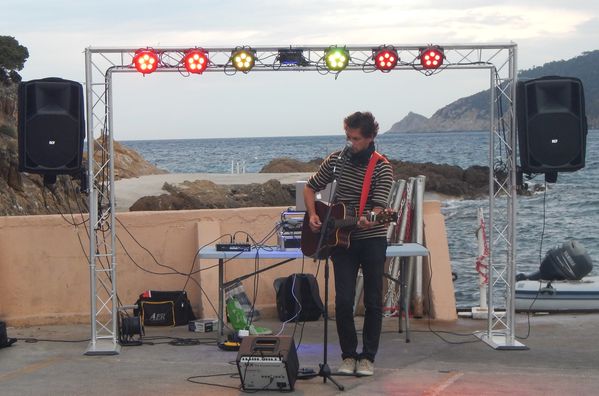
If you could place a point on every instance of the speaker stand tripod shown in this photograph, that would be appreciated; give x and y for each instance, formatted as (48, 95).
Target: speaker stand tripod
(325, 370)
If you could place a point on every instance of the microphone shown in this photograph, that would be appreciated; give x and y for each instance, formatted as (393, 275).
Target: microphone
(344, 154)
(346, 150)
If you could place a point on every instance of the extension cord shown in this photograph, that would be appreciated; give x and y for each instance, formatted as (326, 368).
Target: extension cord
(233, 247)
(229, 346)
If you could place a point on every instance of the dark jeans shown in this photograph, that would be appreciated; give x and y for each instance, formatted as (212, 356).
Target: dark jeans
(370, 254)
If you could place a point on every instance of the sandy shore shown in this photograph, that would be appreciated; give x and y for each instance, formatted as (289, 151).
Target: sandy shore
(128, 191)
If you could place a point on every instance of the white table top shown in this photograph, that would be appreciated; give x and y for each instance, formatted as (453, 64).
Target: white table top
(210, 252)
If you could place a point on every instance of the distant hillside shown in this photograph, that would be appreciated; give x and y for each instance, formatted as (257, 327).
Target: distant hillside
(472, 112)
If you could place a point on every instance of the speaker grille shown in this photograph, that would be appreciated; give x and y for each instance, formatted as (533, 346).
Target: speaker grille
(49, 141)
(552, 125)
(551, 141)
(51, 126)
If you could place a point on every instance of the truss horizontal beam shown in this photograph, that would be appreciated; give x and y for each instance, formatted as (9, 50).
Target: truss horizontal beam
(267, 58)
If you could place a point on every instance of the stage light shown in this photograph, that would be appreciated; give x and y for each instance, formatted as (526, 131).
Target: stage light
(431, 57)
(385, 58)
(243, 59)
(145, 61)
(336, 58)
(291, 57)
(196, 61)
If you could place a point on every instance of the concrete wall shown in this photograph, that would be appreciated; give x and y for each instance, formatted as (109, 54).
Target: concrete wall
(44, 270)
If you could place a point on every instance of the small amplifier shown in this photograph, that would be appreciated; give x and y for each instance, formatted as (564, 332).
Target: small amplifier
(289, 239)
(292, 220)
(233, 247)
(267, 363)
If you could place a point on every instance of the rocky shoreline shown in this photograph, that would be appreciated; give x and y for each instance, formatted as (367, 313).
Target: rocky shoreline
(442, 180)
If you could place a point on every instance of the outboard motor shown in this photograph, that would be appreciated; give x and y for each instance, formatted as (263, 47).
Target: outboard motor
(568, 262)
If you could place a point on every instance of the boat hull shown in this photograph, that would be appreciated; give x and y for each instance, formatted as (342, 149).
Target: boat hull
(581, 295)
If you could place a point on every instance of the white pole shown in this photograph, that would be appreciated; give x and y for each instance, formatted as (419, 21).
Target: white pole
(419, 238)
(482, 311)
(397, 202)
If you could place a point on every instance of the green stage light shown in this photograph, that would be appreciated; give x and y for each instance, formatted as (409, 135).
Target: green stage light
(336, 58)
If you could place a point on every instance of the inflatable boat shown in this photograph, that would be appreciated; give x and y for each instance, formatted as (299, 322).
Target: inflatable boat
(561, 283)
(558, 295)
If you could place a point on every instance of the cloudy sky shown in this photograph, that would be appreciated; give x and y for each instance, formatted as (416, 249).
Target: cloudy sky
(168, 105)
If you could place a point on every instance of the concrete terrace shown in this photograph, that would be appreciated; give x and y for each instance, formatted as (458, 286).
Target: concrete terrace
(563, 359)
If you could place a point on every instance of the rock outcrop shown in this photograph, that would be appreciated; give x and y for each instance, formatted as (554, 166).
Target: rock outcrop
(204, 194)
(446, 180)
(127, 162)
(290, 165)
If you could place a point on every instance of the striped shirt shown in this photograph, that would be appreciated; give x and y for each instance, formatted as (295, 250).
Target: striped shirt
(349, 188)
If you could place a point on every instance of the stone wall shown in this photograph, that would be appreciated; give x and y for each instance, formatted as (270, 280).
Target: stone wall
(45, 273)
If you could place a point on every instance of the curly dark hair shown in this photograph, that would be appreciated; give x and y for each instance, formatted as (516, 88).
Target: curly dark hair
(364, 121)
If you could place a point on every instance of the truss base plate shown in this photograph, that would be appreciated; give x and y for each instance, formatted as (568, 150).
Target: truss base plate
(102, 348)
(500, 341)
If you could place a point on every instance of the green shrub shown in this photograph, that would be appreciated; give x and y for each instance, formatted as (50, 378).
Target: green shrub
(8, 131)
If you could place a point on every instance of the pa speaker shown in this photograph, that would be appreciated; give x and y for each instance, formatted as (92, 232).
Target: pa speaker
(267, 363)
(51, 126)
(552, 125)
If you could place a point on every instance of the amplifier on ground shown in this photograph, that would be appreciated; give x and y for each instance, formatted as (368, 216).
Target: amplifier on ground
(267, 363)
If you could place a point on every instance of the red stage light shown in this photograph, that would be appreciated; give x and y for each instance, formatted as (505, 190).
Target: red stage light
(385, 59)
(431, 57)
(145, 61)
(196, 61)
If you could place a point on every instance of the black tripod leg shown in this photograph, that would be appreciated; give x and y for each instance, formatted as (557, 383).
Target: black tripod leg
(325, 370)
(325, 373)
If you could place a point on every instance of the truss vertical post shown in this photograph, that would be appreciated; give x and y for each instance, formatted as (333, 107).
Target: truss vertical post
(500, 332)
(103, 297)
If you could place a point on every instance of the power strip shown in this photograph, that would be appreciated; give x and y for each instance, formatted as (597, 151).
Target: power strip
(233, 247)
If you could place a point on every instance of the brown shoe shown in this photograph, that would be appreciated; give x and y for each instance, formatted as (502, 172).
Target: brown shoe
(348, 366)
(365, 367)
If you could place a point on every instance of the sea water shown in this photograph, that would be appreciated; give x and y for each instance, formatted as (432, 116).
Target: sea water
(569, 209)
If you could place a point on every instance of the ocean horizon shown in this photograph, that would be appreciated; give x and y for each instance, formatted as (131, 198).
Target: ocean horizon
(570, 206)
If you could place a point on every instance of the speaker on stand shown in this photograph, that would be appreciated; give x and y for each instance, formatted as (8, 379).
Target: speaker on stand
(51, 127)
(552, 125)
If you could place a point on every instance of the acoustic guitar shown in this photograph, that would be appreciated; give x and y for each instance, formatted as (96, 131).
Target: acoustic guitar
(339, 228)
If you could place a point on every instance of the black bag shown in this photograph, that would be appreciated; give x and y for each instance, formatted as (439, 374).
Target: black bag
(4, 340)
(298, 298)
(164, 308)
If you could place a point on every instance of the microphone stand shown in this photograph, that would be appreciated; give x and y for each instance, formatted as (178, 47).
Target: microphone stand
(325, 370)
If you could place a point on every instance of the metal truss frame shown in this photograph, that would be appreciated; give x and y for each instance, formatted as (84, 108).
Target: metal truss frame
(499, 59)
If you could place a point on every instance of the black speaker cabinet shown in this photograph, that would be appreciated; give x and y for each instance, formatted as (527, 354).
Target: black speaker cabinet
(51, 126)
(552, 125)
(267, 363)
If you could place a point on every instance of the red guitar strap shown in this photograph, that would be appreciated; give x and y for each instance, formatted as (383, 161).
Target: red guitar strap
(374, 158)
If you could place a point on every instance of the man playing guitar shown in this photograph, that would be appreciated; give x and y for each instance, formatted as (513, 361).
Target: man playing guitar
(365, 191)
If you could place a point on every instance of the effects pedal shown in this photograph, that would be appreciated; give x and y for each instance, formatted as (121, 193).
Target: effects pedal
(233, 247)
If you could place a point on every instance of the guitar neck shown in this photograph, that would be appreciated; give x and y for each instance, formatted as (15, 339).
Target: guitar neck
(350, 221)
